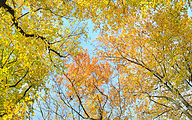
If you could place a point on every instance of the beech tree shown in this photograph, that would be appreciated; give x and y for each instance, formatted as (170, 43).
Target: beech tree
(88, 89)
(35, 36)
(152, 54)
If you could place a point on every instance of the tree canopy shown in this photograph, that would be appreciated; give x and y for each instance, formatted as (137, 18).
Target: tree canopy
(140, 69)
(34, 38)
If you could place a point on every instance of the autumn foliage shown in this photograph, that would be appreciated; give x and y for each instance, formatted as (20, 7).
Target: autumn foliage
(154, 62)
(32, 37)
(141, 67)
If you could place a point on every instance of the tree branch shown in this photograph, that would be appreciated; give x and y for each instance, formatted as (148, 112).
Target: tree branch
(20, 79)
(16, 24)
